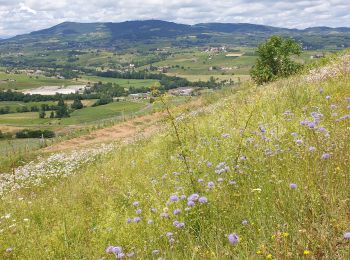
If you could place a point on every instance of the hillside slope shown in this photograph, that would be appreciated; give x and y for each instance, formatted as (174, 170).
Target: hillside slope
(257, 173)
(70, 35)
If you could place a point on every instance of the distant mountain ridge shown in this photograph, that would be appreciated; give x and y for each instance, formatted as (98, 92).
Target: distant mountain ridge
(125, 34)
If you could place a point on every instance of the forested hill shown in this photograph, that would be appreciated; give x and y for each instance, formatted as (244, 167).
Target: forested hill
(72, 35)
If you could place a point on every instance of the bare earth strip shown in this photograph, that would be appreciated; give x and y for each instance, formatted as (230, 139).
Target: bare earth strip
(145, 125)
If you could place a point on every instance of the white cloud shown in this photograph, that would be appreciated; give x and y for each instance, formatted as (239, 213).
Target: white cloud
(21, 16)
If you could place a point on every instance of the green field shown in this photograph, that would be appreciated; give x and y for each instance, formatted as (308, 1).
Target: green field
(126, 83)
(86, 115)
(23, 81)
(10, 147)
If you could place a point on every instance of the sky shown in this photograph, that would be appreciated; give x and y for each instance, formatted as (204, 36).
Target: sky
(23, 16)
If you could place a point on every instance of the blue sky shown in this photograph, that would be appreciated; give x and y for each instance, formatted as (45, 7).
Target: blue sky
(22, 16)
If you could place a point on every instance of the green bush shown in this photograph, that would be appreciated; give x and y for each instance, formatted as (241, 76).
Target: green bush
(26, 133)
(275, 60)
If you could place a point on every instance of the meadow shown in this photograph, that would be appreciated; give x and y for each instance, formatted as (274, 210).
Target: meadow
(255, 173)
(23, 81)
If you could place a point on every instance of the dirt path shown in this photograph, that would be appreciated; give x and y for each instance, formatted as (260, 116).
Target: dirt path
(145, 125)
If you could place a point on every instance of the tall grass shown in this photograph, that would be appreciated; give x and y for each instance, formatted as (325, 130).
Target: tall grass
(272, 162)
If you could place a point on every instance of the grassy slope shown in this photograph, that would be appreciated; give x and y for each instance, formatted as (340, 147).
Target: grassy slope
(79, 217)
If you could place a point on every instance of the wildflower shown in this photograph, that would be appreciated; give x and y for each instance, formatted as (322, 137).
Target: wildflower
(174, 198)
(220, 179)
(193, 197)
(200, 180)
(129, 220)
(293, 186)
(153, 210)
(269, 256)
(183, 197)
(9, 250)
(136, 204)
(150, 222)
(347, 235)
(333, 106)
(120, 256)
(209, 164)
(299, 142)
(225, 135)
(187, 209)
(137, 219)
(138, 211)
(169, 234)
(245, 222)
(233, 239)
(312, 148)
(328, 97)
(177, 212)
(178, 224)
(312, 125)
(203, 200)
(155, 252)
(164, 215)
(211, 185)
(306, 252)
(232, 182)
(294, 134)
(326, 156)
(190, 203)
(114, 250)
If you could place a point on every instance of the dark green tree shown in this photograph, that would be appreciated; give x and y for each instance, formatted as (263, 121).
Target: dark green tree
(275, 60)
(42, 114)
(77, 104)
(62, 109)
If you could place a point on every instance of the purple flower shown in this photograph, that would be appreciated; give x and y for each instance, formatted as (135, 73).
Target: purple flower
(114, 250)
(178, 224)
(209, 164)
(312, 125)
(203, 200)
(190, 203)
(150, 222)
(233, 239)
(211, 185)
(200, 180)
(312, 148)
(138, 211)
(347, 235)
(137, 219)
(174, 198)
(328, 97)
(177, 212)
(293, 186)
(129, 220)
(169, 234)
(299, 142)
(225, 135)
(325, 156)
(9, 250)
(232, 182)
(245, 222)
(333, 106)
(136, 203)
(153, 210)
(193, 197)
(120, 256)
(183, 197)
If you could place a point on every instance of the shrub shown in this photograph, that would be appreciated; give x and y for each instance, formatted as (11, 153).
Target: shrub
(26, 133)
(274, 60)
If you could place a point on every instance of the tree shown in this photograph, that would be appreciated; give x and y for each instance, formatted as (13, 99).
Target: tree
(52, 115)
(42, 114)
(77, 104)
(275, 60)
(62, 109)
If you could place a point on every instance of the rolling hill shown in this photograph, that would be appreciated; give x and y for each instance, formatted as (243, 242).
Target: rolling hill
(70, 35)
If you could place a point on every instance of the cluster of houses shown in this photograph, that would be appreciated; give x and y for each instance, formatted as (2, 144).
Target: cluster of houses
(183, 91)
(215, 49)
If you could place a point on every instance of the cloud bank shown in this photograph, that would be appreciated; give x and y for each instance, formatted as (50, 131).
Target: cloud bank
(23, 16)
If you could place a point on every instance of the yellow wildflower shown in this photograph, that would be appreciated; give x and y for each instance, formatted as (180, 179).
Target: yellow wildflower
(306, 252)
